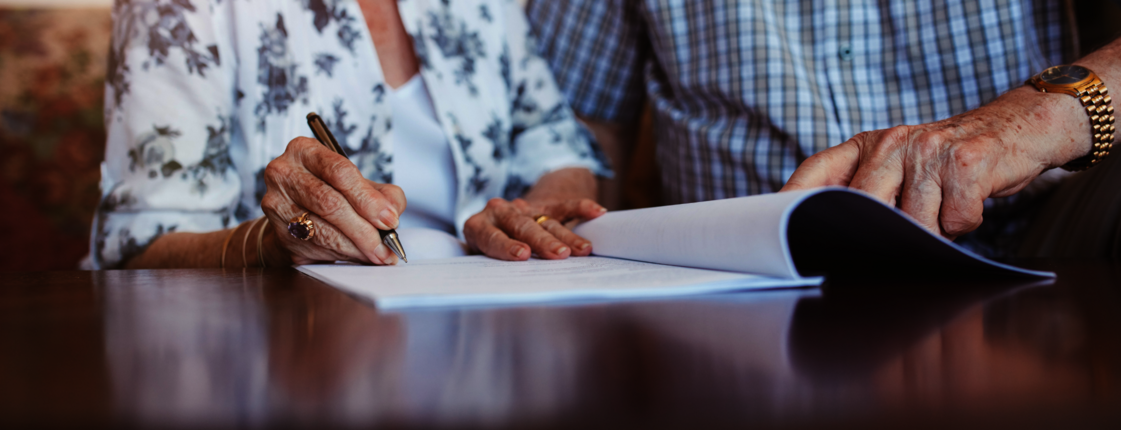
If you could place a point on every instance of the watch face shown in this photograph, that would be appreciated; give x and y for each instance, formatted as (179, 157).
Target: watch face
(1065, 75)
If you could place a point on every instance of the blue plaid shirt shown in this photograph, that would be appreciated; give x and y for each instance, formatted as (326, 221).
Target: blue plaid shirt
(743, 91)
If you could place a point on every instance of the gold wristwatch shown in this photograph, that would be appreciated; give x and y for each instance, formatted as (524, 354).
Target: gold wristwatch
(1084, 85)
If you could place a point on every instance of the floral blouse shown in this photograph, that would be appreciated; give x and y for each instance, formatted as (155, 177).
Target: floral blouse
(202, 94)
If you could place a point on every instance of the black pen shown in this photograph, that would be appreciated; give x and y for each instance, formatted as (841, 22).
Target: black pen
(324, 136)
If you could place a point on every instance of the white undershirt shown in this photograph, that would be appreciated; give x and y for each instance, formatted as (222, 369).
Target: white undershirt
(423, 167)
(422, 160)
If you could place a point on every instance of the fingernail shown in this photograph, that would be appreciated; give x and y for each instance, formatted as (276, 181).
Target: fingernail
(602, 209)
(383, 253)
(386, 220)
(517, 251)
(584, 246)
(560, 250)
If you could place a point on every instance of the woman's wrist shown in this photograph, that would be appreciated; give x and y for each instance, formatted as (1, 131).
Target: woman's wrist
(254, 243)
(567, 183)
(273, 252)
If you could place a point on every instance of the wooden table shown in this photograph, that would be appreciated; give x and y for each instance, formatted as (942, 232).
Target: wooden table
(269, 348)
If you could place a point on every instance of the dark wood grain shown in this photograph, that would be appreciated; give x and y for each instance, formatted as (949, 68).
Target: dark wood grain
(273, 348)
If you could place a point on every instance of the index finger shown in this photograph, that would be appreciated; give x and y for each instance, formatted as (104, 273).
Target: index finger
(345, 177)
(573, 208)
(833, 166)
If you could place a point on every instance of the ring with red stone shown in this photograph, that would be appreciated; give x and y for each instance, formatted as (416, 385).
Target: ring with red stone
(301, 227)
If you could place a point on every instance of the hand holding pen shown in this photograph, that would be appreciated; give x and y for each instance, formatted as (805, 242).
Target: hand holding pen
(325, 210)
(323, 134)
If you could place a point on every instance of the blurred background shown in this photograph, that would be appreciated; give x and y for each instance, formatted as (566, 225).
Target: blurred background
(52, 65)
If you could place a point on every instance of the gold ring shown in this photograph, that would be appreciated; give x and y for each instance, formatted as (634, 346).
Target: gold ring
(540, 219)
(301, 227)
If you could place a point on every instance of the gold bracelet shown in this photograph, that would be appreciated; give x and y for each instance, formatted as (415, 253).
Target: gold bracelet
(245, 242)
(260, 239)
(226, 244)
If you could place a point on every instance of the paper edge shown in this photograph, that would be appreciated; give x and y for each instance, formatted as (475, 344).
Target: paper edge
(968, 253)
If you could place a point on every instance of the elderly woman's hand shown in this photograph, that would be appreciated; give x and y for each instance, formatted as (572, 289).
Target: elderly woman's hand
(346, 209)
(508, 230)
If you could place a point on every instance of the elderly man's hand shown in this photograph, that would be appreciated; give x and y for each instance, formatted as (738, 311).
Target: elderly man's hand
(941, 173)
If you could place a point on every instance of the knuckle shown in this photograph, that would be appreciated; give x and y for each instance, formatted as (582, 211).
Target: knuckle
(338, 171)
(270, 201)
(329, 239)
(937, 138)
(367, 202)
(472, 225)
(928, 145)
(882, 150)
(494, 237)
(328, 202)
(495, 203)
(543, 240)
(393, 190)
(562, 233)
(897, 134)
(860, 138)
(300, 144)
(967, 155)
(277, 168)
(521, 204)
(509, 220)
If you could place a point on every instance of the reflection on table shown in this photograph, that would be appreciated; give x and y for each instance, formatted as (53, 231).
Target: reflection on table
(212, 348)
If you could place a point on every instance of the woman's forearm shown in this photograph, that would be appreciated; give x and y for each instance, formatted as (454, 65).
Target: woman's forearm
(179, 250)
(201, 250)
(204, 250)
(570, 183)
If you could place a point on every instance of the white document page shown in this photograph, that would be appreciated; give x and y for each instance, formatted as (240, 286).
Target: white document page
(746, 234)
(478, 280)
(751, 235)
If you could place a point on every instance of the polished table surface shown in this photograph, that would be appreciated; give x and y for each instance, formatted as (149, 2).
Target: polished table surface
(274, 348)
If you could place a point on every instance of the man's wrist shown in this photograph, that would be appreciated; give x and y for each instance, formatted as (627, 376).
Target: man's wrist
(1054, 125)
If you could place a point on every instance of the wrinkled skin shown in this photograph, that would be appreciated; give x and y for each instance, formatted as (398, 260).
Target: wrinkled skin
(348, 210)
(941, 173)
(506, 230)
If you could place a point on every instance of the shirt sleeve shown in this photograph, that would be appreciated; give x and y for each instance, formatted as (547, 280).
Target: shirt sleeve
(598, 50)
(169, 118)
(545, 135)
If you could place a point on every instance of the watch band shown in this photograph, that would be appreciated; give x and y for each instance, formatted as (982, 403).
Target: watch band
(1097, 102)
(1095, 98)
